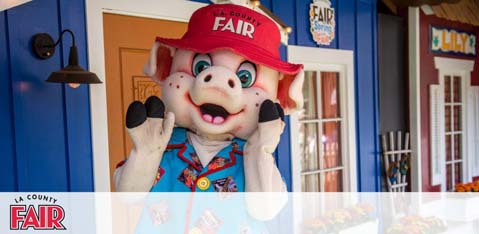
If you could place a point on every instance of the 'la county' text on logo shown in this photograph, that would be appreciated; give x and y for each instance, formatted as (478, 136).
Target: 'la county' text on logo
(38, 212)
(321, 17)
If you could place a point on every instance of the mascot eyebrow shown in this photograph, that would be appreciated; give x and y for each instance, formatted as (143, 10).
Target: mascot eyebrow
(222, 136)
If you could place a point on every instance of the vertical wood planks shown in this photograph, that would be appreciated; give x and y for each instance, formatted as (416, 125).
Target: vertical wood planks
(37, 106)
(8, 167)
(77, 102)
(46, 125)
(366, 96)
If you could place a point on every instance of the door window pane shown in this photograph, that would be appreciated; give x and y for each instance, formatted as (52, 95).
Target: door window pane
(310, 109)
(447, 118)
(457, 89)
(331, 140)
(447, 88)
(310, 183)
(448, 148)
(457, 173)
(448, 177)
(308, 141)
(457, 147)
(330, 94)
(333, 181)
(457, 118)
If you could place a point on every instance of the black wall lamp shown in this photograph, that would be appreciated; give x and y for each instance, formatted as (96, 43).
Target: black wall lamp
(44, 47)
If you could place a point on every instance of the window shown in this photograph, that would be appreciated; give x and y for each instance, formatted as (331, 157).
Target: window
(453, 112)
(322, 133)
(456, 127)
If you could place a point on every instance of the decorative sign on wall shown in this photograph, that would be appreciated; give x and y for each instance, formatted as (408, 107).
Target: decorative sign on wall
(321, 17)
(452, 42)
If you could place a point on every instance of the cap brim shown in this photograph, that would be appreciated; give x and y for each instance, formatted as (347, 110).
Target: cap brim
(250, 51)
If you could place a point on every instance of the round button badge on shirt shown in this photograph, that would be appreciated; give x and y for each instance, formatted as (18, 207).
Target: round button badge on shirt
(203, 183)
(195, 230)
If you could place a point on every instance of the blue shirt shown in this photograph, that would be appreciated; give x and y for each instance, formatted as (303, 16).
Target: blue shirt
(180, 169)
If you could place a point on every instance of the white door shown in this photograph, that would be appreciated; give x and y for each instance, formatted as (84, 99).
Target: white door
(323, 151)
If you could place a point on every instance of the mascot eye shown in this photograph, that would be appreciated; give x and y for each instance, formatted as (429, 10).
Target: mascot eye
(247, 74)
(200, 63)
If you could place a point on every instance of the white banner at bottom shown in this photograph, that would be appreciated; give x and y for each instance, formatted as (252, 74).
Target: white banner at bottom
(243, 213)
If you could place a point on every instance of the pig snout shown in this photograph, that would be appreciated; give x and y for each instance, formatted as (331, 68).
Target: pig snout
(220, 86)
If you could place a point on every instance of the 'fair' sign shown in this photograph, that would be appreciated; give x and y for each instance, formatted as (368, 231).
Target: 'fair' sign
(323, 25)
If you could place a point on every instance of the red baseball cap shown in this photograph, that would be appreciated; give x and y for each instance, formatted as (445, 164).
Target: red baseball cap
(237, 28)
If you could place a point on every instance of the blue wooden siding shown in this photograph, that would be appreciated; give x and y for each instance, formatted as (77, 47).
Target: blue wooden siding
(355, 30)
(366, 97)
(46, 142)
(7, 145)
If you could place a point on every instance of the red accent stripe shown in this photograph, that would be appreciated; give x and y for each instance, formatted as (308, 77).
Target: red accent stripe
(180, 154)
(233, 162)
(183, 149)
(238, 152)
(174, 146)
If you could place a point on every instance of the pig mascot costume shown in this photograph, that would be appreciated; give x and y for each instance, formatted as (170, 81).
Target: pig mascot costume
(220, 116)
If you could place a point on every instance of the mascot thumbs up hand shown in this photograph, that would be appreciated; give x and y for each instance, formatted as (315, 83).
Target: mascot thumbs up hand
(224, 93)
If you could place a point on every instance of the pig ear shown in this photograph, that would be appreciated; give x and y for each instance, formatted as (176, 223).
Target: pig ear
(290, 92)
(159, 63)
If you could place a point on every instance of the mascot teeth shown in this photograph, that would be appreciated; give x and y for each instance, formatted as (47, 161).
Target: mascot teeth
(214, 114)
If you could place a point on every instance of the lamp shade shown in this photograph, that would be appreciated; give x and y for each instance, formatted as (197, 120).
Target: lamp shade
(73, 73)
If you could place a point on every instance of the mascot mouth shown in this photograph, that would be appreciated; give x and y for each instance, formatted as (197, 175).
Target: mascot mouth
(214, 114)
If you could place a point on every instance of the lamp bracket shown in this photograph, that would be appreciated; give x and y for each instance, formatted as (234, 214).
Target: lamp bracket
(42, 45)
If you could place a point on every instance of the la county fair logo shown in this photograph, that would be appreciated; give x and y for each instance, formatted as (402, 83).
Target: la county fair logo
(37, 212)
(323, 26)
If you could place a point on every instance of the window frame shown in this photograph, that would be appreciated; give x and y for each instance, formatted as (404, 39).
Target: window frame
(329, 60)
(452, 132)
(319, 122)
(463, 68)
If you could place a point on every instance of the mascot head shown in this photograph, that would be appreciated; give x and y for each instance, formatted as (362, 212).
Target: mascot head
(215, 78)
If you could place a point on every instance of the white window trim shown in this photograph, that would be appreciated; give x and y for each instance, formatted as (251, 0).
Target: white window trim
(158, 9)
(473, 126)
(462, 68)
(415, 98)
(436, 126)
(328, 60)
